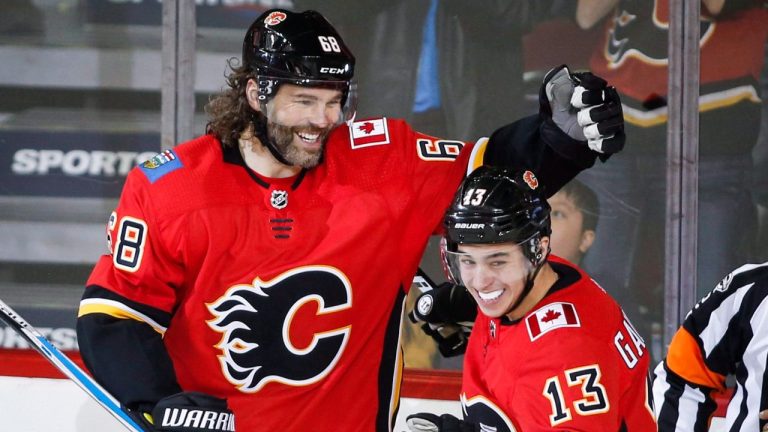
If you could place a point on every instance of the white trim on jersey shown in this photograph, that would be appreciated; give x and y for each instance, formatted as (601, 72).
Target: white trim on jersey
(107, 307)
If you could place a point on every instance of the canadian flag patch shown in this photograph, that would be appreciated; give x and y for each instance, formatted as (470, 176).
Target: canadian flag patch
(550, 317)
(367, 133)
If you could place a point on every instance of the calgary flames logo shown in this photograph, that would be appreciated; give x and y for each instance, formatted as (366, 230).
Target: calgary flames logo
(255, 323)
(641, 32)
(275, 18)
(530, 179)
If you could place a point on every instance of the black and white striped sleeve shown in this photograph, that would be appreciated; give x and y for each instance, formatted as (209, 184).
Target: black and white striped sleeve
(726, 333)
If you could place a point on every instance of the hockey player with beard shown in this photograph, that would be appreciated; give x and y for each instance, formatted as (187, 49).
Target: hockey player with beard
(261, 269)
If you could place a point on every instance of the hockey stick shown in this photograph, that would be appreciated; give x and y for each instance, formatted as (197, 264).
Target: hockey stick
(67, 367)
(83, 380)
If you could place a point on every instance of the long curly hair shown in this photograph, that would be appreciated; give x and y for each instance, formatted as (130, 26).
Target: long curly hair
(229, 112)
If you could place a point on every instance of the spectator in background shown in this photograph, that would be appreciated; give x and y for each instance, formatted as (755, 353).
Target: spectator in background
(633, 54)
(443, 57)
(575, 214)
(574, 217)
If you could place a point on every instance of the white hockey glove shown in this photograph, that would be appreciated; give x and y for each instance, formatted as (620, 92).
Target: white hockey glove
(188, 412)
(448, 313)
(583, 106)
(428, 422)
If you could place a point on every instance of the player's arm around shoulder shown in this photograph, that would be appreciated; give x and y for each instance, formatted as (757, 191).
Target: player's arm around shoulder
(416, 174)
(393, 141)
(579, 120)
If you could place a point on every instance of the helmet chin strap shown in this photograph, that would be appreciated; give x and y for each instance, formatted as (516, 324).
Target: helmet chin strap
(260, 131)
(529, 283)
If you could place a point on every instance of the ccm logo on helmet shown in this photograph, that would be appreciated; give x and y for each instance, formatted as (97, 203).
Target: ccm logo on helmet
(331, 70)
(462, 225)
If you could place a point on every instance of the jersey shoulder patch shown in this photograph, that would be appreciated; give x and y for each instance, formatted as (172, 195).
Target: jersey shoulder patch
(160, 165)
(551, 316)
(368, 133)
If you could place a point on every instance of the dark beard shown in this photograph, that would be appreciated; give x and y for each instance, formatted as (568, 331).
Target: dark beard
(282, 138)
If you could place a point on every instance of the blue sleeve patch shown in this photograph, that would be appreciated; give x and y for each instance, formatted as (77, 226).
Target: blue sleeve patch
(160, 165)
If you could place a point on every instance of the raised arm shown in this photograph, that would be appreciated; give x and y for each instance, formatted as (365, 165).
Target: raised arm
(580, 119)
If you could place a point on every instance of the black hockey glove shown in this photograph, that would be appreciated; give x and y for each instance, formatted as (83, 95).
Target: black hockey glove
(187, 412)
(427, 422)
(448, 313)
(583, 106)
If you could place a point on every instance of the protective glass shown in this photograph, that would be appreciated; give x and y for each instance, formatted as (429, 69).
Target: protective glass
(480, 266)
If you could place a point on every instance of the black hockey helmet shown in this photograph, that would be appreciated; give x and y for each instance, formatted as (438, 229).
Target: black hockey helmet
(300, 48)
(496, 205)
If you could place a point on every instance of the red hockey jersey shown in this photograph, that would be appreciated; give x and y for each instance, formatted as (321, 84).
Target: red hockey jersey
(277, 288)
(573, 363)
(633, 57)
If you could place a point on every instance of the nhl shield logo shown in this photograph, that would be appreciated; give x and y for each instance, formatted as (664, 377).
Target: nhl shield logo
(279, 199)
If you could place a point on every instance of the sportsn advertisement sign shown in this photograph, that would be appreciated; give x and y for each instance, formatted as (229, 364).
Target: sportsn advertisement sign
(57, 325)
(70, 164)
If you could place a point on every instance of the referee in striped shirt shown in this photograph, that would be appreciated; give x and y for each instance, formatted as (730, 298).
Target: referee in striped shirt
(726, 334)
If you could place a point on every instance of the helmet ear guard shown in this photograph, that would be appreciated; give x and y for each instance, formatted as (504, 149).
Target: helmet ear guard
(537, 252)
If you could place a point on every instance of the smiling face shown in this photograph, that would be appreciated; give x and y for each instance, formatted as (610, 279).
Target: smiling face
(494, 275)
(299, 120)
(569, 240)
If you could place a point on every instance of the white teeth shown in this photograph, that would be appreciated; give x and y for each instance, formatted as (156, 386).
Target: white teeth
(308, 137)
(492, 295)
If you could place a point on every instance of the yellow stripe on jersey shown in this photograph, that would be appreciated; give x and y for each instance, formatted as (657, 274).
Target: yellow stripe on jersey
(645, 119)
(117, 310)
(728, 98)
(707, 102)
(684, 358)
(477, 155)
